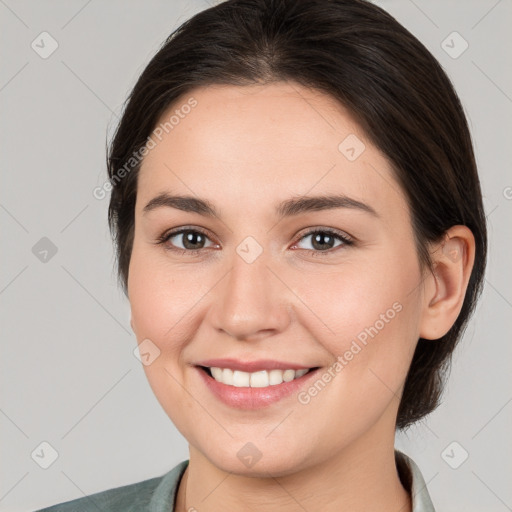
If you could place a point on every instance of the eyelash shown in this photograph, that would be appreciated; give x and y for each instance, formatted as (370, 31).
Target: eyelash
(347, 241)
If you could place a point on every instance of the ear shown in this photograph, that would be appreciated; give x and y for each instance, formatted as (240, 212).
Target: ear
(445, 288)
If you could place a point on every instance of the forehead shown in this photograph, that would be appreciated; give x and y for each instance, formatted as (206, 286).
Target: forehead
(256, 144)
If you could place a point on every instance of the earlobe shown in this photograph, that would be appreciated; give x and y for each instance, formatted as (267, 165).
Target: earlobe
(445, 289)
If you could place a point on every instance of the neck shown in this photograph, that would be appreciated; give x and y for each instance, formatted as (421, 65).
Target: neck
(359, 478)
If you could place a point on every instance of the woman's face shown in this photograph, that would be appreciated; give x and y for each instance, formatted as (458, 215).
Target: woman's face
(268, 289)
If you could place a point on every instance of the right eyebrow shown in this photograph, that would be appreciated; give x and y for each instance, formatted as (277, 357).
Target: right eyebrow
(184, 203)
(287, 208)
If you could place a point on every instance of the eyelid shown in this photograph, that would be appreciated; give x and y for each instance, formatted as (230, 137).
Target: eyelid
(163, 238)
(337, 232)
(347, 239)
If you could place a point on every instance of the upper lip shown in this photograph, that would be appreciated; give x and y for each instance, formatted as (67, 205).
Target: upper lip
(252, 366)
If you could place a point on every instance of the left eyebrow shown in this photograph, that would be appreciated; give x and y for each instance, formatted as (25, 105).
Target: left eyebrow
(288, 208)
(304, 204)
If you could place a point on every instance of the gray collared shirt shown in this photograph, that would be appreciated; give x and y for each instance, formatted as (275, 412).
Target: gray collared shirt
(159, 494)
(413, 480)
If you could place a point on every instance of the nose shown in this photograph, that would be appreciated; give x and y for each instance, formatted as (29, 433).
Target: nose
(251, 302)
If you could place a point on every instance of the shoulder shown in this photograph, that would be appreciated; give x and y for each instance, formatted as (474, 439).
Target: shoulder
(155, 493)
(413, 481)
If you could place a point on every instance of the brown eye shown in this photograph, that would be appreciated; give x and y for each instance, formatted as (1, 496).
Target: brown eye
(192, 240)
(324, 240)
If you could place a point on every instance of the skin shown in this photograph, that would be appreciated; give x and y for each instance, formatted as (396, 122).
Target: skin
(245, 149)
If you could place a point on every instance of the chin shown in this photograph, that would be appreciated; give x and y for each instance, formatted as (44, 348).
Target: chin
(246, 459)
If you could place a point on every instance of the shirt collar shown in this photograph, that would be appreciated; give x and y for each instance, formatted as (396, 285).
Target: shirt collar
(410, 475)
(413, 481)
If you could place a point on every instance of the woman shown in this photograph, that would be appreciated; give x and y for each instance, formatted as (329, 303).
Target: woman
(300, 233)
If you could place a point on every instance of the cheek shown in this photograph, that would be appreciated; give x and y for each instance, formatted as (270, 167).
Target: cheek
(372, 319)
(161, 311)
(361, 301)
(367, 315)
(361, 311)
(162, 298)
(359, 296)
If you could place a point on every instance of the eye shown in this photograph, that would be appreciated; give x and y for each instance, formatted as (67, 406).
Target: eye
(323, 240)
(193, 240)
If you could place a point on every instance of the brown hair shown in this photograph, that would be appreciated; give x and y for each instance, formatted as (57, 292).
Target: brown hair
(360, 55)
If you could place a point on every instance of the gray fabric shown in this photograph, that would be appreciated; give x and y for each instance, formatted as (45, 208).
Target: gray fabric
(158, 494)
(415, 483)
(153, 495)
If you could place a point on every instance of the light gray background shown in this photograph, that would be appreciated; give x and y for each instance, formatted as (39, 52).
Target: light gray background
(68, 373)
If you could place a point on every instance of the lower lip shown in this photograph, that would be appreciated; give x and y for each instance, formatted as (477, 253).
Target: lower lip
(253, 398)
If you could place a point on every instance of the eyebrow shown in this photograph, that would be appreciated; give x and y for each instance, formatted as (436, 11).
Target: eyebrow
(288, 208)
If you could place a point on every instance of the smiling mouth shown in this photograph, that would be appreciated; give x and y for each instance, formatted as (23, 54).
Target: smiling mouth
(258, 379)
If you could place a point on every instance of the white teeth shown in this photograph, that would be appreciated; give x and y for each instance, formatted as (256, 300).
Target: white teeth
(227, 376)
(241, 379)
(217, 373)
(260, 379)
(288, 375)
(275, 377)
